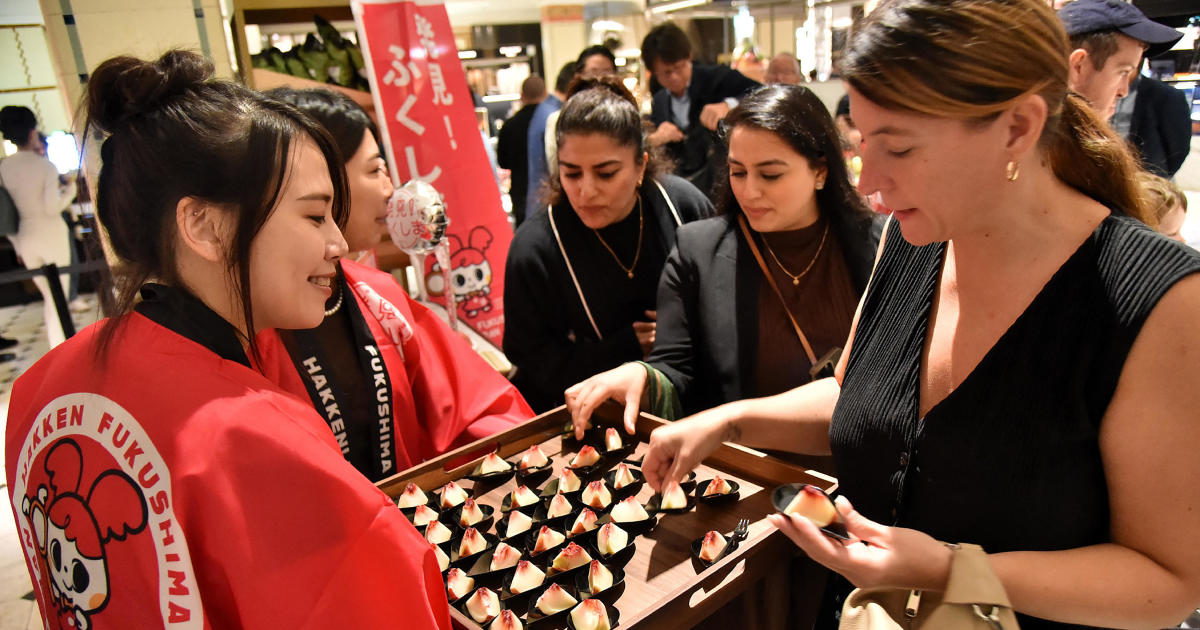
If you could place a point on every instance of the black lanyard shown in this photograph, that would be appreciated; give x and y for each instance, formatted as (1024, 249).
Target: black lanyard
(327, 387)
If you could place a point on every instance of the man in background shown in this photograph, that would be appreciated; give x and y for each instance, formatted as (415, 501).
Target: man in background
(1157, 120)
(784, 68)
(512, 147)
(1108, 39)
(535, 138)
(694, 98)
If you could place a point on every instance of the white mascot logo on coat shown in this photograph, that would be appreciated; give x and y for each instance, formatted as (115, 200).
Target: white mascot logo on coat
(470, 273)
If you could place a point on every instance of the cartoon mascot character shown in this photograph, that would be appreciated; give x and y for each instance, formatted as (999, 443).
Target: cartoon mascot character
(470, 273)
(71, 530)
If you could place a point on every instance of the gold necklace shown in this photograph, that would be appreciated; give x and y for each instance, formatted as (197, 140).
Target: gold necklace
(637, 253)
(796, 277)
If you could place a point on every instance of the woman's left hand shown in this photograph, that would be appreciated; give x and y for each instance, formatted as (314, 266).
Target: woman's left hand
(877, 555)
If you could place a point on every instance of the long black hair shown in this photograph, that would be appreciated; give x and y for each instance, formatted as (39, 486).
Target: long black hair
(175, 132)
(344, 119)
(795, 115)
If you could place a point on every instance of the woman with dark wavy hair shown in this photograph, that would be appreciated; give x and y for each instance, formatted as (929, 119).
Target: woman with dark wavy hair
(759, 300)
(581, 274)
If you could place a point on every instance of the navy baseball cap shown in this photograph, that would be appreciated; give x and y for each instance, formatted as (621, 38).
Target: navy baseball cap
(1088, 16)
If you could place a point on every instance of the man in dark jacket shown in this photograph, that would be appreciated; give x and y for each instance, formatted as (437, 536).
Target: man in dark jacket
(694, 98)
(512, 148)
(1161, 126)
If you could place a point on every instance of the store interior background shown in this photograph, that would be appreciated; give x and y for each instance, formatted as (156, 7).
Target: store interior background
(47, 49)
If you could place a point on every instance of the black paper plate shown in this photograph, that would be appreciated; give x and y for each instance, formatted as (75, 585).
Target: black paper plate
(610, 593)
(614, 617)
(718, 498)
(632, 527)
(461, 600)
(618, 559)
(481, 568)
(495, 478)
(653, 505)
(456, 561)
(506, 505)
(731, 545)
(569, 574)
(411, 514)
(502, 531)
(531, 542)
(558, 522)
(438, 501)
(783, 495)
(520, 601)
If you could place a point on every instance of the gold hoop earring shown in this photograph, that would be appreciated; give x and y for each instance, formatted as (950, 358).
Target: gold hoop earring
(1012, 170)
(821, 185)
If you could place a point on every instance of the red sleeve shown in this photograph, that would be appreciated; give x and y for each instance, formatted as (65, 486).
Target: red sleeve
(285, 533)
(460, 397)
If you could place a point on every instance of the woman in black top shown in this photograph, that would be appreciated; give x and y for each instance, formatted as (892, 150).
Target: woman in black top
(726, 328)
(581, 276)
(1023, 370)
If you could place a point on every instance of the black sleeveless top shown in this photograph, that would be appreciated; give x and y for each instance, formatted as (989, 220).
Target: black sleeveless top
(1010, 460)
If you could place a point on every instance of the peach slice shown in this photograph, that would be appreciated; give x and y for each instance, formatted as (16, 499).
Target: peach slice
(673, 497)
(584, 523)
(458, 583)
(412, 497)
(568, 481)
(587, 456)
(424, 515)
(717, 486)
(472, 543)
(590, 615)
(471, 513)
(533, 458)
(505, 556)
(559, 506)
(547, 539)
(714, 543)
(483, 606)
(612, 440)
(611, 539)
(554, 600)
(596, 495)
(518, 522)
(507, 620)
(452, 495)
(437, 533)
(814, 505)
(571, 557)
(624, 476)
(493, 464)
(629, 511)
(599, 577)
(522, 497)
(442, 559)
(526, 578)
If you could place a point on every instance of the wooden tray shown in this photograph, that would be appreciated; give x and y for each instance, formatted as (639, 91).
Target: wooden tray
(664, 587)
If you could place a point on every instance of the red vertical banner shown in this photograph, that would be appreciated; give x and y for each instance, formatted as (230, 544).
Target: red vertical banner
(427, 119)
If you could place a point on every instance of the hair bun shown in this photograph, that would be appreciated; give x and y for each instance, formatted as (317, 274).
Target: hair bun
(125, 87)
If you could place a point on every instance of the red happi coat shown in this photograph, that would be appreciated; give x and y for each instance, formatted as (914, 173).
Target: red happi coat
(170, 487)
(443, 393)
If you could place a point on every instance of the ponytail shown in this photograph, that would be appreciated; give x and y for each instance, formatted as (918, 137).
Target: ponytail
(1088, 155)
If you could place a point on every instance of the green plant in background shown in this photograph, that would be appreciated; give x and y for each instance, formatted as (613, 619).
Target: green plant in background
(324, 56)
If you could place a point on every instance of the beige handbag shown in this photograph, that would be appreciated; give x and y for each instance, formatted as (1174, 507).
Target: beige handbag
(974, 599)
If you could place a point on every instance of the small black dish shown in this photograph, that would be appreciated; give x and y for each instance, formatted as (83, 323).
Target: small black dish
(460, 600)
(520, 601)
(585, 537)
(653, 506)
(525, 475)
(610, 479)
(536, 618)
(493, 477)
(506, 505)
(550, 489)
(502, 531)
(452, 518)
(587, 473)
(731, 545)
(783, 495)
(611, 593)
(411, 515)
(531, 544)
(437, 503)
(717, 498)
(464, 561)
(618, 559)
(632, 527)
(614, 617)
(563, 577)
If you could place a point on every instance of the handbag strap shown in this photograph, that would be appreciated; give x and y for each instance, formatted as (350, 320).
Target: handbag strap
(762, 264)
(667, 198)
(571, 270)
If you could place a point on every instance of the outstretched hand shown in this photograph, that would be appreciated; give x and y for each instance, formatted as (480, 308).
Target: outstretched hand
(676, 449)
(623, 384)
(877, 555)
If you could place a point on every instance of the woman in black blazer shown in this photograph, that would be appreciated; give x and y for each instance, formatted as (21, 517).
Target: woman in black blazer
(758, 300)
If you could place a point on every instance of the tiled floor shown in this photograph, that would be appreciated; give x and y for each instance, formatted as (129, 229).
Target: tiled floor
(18, 611)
